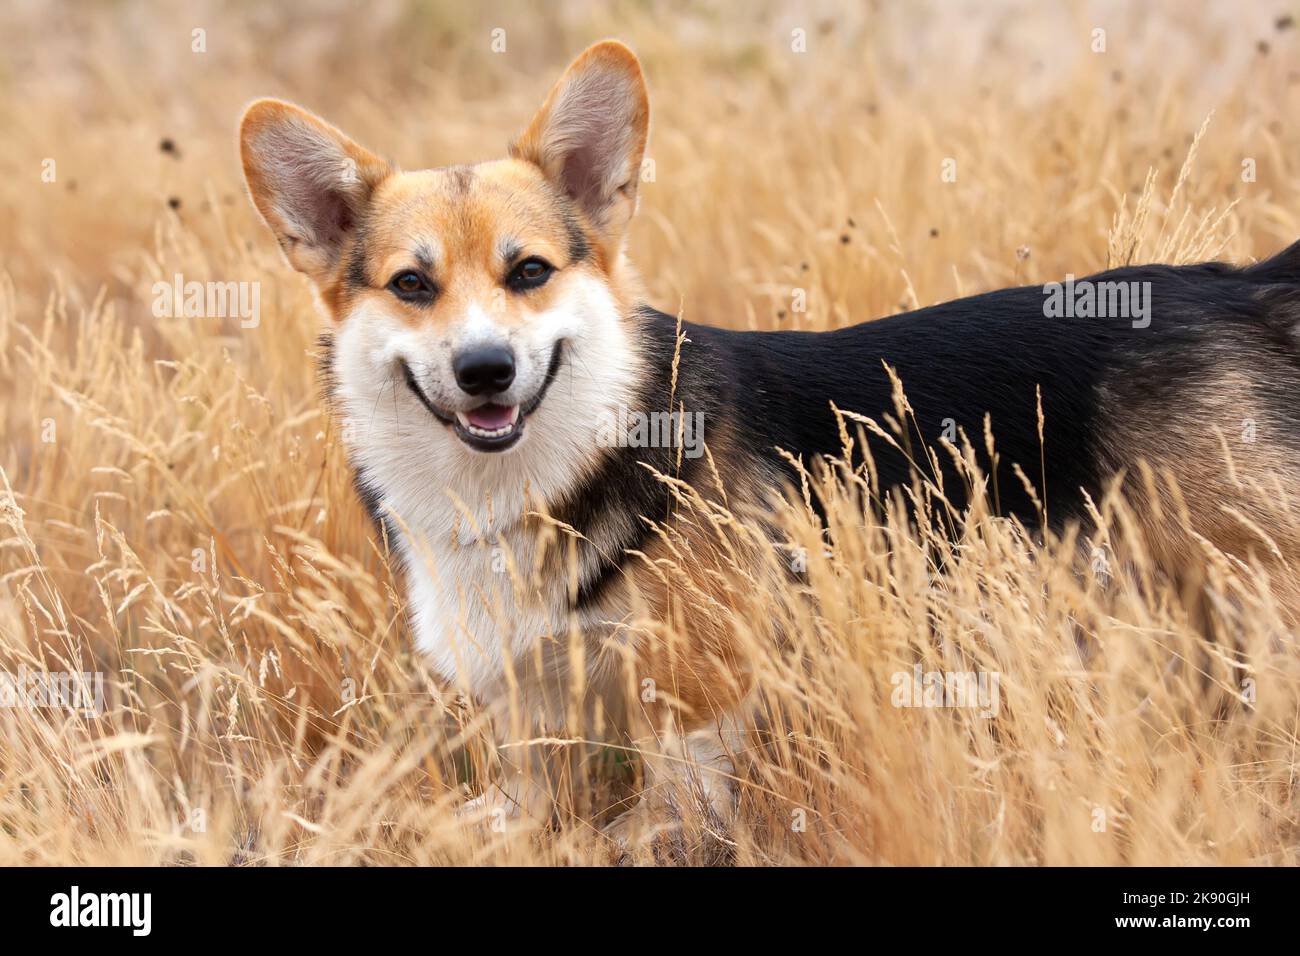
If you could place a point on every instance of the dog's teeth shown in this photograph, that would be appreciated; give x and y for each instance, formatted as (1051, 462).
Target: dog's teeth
(477, 432)
(489, 433)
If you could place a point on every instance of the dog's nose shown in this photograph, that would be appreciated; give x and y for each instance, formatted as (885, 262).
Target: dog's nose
(484, 370)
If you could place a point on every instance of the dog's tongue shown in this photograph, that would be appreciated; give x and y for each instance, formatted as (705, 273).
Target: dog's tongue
(490, 417)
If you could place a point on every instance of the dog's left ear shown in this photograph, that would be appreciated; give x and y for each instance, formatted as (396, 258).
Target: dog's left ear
(590, 134)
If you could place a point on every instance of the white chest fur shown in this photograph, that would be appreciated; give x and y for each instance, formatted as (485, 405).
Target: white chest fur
(476, 605)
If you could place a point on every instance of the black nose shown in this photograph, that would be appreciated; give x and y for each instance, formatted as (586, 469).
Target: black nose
(484, 370)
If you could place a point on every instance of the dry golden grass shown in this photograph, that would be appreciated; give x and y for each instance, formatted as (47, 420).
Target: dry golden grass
(177, 511)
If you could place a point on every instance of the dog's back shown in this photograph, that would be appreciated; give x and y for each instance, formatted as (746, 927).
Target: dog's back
(1213, 352)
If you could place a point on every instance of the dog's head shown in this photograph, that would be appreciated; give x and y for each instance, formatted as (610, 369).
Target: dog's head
(475, 308)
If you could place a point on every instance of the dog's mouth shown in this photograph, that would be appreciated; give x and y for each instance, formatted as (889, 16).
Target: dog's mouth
(491, 426)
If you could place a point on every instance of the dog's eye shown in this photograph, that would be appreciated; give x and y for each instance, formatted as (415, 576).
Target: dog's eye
(530, 273)
(411, 286)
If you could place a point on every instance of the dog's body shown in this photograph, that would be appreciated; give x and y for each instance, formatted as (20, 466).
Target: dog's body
(487, 329)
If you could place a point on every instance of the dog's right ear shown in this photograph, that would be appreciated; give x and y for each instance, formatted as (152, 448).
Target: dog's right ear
(308, 180)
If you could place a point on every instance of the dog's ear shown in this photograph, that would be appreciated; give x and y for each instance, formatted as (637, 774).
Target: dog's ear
(308, 180)
(590, 134)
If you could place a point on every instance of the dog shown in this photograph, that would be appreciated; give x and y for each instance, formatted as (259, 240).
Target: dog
(486, 328)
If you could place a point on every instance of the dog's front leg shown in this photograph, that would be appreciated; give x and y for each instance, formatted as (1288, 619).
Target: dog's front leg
(517, 798)
(690, 777)
(696, 769)
(539, 740)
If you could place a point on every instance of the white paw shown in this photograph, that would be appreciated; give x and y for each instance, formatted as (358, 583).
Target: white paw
(630, 826)
(706, 787)
(515, 804)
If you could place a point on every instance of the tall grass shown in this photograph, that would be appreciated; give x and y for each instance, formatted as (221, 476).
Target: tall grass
(177, 512)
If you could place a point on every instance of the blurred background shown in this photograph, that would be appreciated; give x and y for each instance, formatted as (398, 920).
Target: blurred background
(784, 135)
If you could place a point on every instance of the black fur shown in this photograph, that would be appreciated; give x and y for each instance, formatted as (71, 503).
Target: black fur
(579, 250)
(987, 354)
(624, 484)
(355, 275)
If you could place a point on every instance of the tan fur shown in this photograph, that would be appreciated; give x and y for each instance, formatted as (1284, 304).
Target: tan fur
(463, 214)
(1213, 471)
(692, 583)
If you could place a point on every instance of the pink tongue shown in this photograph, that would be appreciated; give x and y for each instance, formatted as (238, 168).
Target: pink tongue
(490, 417)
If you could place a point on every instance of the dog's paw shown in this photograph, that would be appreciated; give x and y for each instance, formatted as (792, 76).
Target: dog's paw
(631, 827)
(640, 834)
(517, 803)
(702, 789)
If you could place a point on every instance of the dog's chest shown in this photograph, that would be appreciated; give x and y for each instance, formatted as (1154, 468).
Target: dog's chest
(481, 605)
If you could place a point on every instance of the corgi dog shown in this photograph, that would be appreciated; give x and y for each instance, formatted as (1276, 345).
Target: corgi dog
(485, 328)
